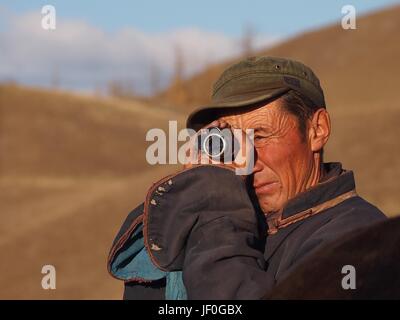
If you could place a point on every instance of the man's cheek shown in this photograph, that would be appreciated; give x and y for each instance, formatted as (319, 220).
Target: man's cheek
(276, 153)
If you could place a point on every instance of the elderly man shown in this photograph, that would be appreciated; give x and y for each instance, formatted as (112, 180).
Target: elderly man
(207, 233)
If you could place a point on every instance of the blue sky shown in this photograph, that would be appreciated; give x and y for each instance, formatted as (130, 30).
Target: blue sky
(96, 42)
(282, 17)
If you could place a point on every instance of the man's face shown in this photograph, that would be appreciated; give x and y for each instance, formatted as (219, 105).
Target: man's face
(284, 165)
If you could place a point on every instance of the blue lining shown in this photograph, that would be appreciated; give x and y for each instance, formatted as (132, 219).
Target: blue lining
(133, 261)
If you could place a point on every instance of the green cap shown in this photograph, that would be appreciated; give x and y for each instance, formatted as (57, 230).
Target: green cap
(256, 79)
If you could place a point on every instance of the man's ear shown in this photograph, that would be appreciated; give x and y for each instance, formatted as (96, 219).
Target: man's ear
(320, 129)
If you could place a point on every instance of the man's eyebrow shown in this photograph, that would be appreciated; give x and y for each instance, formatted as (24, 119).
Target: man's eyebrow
(264, 129)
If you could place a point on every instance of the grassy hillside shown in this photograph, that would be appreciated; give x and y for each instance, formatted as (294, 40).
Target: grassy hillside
(59, 134)
(71, 169)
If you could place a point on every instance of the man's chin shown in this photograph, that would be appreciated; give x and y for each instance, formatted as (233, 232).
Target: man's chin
(269, 205)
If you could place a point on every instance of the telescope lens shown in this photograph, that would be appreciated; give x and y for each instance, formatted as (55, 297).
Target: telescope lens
(214, 144)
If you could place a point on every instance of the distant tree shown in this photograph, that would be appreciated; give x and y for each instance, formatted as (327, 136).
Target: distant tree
(179, 64)
(247, 41)
(155, 78)
(121, 88)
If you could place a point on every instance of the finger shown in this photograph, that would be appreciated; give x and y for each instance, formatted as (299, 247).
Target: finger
(223, 124)
(215, 123)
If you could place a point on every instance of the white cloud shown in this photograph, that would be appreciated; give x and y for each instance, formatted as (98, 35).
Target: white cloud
(84, 56)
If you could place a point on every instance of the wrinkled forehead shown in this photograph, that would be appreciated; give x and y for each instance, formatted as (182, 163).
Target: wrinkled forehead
(265, 116)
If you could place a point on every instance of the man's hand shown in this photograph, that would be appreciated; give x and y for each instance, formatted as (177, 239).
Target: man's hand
(243, 158)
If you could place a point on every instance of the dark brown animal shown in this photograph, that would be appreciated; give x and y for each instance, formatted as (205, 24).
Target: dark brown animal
(374, 252)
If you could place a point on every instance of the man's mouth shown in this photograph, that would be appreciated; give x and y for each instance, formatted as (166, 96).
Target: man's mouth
(264, 188)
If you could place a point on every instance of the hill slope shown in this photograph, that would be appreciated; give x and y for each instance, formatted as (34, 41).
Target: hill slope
(71, 169)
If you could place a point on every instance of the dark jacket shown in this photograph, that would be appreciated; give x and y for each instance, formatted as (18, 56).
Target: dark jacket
(205, 223)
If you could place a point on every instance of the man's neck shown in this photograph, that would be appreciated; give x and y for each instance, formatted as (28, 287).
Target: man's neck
(316, 174)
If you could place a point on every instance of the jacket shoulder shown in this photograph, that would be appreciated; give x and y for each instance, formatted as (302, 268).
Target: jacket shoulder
(356, 212)
(349, 216)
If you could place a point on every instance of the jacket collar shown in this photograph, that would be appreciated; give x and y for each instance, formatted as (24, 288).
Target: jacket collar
(335, 186)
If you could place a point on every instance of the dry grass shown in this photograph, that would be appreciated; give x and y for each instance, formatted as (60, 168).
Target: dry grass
(71, 169)
(51, 133)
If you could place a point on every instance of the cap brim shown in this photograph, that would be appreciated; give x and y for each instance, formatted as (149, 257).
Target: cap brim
(206, 114)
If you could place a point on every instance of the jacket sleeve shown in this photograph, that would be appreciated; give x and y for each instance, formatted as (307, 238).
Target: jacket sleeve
(203, 222)
(134, 289)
